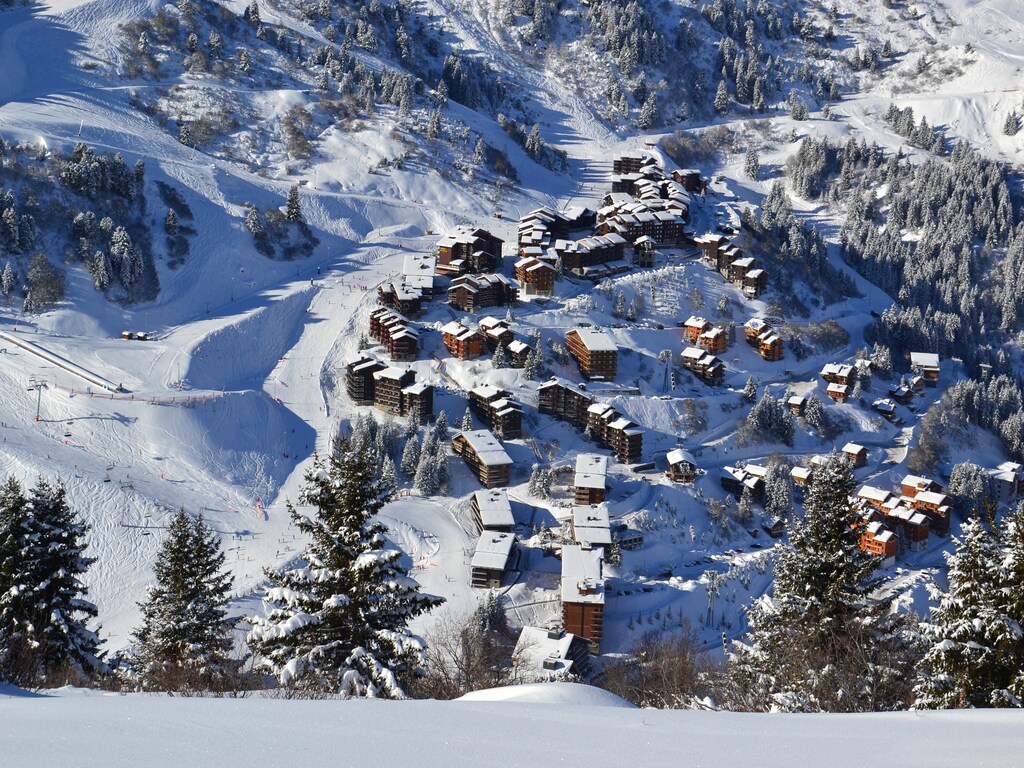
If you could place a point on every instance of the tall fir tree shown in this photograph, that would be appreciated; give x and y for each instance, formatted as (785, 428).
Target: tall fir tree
(293, 207)
(43, 611)
(975, 657)
(819, 642)
(185, 643)
(339, 622)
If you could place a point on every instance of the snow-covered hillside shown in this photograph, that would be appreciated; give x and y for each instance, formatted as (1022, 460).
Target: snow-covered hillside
(225, 406)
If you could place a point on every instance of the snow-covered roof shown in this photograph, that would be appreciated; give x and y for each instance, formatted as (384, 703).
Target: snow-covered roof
(679, 455)
(495, 509)
(582, 577)
(591, 524)
(596, 340)
(924, 359)
(493, 550)
(931, 497)
(390, 373)
(536, 646)
(486, 447)
(853, 448)
(876, 495)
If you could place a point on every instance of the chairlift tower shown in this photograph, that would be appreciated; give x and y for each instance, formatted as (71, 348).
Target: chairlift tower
(37, 385)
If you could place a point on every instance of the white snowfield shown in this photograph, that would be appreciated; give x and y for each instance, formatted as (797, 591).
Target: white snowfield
(555, 724)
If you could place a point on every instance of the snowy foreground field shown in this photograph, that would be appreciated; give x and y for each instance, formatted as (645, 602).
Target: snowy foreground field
(553, 724)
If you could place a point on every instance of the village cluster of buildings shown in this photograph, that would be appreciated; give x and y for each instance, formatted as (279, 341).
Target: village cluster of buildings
(390, 389)
(742, 271)
(605, 425)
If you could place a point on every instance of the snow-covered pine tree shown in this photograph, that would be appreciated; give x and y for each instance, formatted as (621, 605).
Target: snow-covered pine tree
(970, 635)
(752, 165)
(185, 640)
(1012, 125)
(750, 390)
(441, 427)
(7, 280)
(499, 359)
(745, 509)
(819, 642)
(410, 456)
(171, 222)
(722, 98)
(467, 421)
(425, 480)
(388, 473)
(43, 610)
(293, 208)
(339, 622)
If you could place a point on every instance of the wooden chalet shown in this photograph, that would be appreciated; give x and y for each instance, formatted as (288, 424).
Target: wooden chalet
(857, 454)
(472, 292)
(394, 332)
(591, 478)
(755, 283)
(468, 249)
(682, 467)
(911, 485)
(595, 352)
(644, 249)
(774, 527)
(753, 329)
(874, 497)
(551, 655)
(926, 364)
(707, 367)
(496, 332)
(886, 407)
(689, 178)
(838, 392)
(464, 343)
(714, 341)
(593, 257)
(518, 353)
(582, 592)
(536, 276)
(359, 379)
(710, 244)
(611, 429)
(695, 326)
(495, 407)
(769, 346)
(916, 526)
(797, 404)
(491, 558)
(483, 453)
(401, 298)
(937, 507)
(802, 478)
(839, 373)
(878, 541)
(901, 394)
(630, 162)
(388, 385)
(491, 510)
(565, 401)
(738, 269)
(735, 479)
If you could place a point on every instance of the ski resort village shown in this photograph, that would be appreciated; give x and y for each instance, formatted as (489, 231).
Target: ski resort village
(586, 353)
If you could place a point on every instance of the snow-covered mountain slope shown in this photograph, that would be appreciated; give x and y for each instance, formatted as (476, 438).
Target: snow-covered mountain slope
(558, 724)
(226, 405)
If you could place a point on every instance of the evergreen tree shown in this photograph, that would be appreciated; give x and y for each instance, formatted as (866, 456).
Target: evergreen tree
(819, 642)
(43, 610)
(750, 390)
(339, 623)
(293, 209)
(441, 427)
(971, 636)
(7, 280)
(410, 456)
(467, 421)
(184, 642)
(171, 222)
(100, 273)
(425, 480)
(722, 98)
(499, 359)
(752, 167)
(1012, 125)
(745, 509)
(388, 473)
(479, 151)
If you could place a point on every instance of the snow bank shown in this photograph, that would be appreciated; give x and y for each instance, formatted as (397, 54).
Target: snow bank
(551, 693)
(72, 727)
